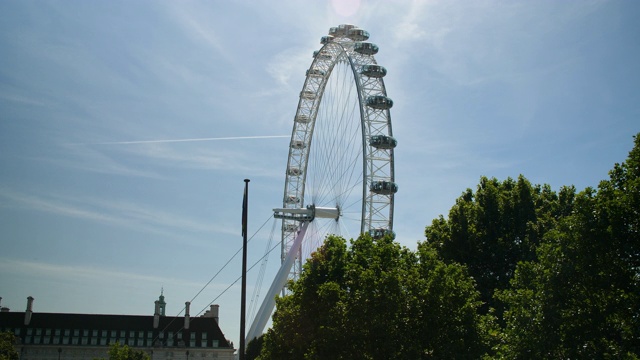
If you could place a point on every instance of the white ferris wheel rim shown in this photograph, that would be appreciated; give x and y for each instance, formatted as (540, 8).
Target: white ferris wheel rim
(369, 173)
(332, 162)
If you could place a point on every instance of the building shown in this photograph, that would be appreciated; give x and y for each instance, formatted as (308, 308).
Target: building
(61, 336)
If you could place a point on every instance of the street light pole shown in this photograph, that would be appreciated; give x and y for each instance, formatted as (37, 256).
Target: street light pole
(243, 297)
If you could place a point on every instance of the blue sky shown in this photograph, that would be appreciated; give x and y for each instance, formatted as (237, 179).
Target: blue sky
(92, 223)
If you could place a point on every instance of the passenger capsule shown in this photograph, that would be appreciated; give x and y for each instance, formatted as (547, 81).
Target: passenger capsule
(308, 95)
(379, 233)
(383, 142)
(298, 144)
(384, 187)
(303, 119)
(374, 71)
(290, 227)
(356, 34)
(366, 48)
(379, 102)
(315, 72)
(341, 30)
(321, 56)
(294, 171)
(326, 39)
(292, 199)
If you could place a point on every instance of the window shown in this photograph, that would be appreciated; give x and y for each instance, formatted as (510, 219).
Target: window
(103, 341)
(76, 332)
(214, 343)
(113, 333)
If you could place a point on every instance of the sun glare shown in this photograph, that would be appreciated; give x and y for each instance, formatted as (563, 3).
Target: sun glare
(345, 8)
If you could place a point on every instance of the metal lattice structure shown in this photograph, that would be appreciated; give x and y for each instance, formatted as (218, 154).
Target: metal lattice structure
(340, 171)
(341, 150)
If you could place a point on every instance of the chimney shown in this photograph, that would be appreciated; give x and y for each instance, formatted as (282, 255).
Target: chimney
(187, 317)
(214, 312)
(156, 315)
(29, 312)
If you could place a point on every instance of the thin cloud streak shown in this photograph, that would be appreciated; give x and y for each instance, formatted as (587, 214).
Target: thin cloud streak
(115, 213)
(185, 140)
(58, 272)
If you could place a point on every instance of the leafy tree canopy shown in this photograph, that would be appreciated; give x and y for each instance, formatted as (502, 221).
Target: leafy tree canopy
(377, 300)
(496, 227)
(124, 352)
(581, 297)
(7, 349)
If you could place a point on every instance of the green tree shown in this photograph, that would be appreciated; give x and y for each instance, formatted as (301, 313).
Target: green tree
(7, 348)
(254, 348)
(311, 316)
(124, 352)
(496, 227)
(581, 297)
(377, 300)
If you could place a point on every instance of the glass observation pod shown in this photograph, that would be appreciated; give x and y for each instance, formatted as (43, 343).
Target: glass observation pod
(374, 71)
(379, 102)
(315, 72)
(294, 171)
(379, 233)
(298, 144)
(308, 95)
(384, 187)
(356, 34)
(341, 30)
(383, 142)
(366, 48)
(326, 39)
(292, 200)
(303, 119)
(321, 56)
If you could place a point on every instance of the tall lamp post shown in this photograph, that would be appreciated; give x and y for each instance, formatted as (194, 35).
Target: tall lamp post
(245, 206)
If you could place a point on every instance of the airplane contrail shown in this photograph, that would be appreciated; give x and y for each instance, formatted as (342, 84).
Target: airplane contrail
(187, 140)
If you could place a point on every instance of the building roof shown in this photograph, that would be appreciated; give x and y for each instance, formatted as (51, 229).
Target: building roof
(121, 328)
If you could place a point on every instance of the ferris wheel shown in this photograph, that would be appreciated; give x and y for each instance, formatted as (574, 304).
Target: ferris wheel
(340, 172)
